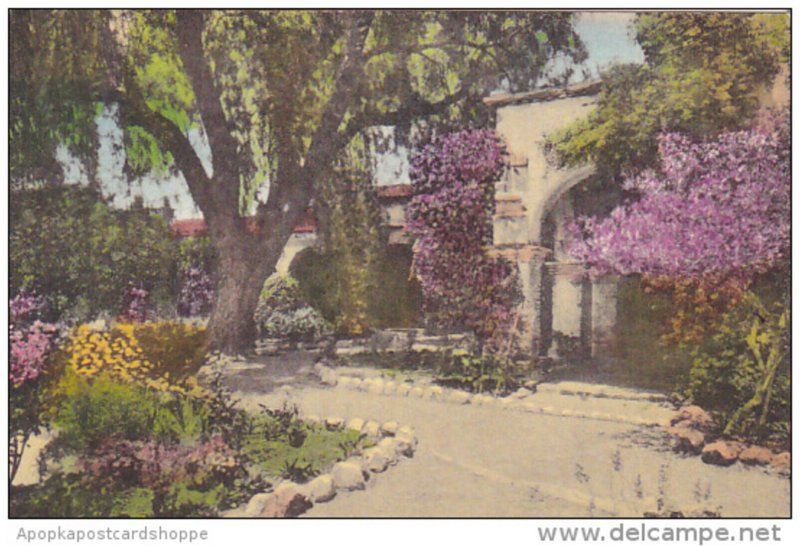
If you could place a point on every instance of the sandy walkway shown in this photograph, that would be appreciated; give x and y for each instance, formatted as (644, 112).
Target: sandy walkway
(485, 461)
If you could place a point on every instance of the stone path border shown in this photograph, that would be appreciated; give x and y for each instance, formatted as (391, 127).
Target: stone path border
(692, 432)
(521, 400)
(289, 499)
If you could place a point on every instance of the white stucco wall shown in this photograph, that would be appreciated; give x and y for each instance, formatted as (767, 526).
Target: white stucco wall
(525, 127)
(296, 243)
(394, 214)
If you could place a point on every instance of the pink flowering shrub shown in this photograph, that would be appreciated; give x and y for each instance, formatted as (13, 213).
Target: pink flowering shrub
(184, 479)
(31, 343)
(117, 462)
(450, 216)
(25, 307)
(29, 350)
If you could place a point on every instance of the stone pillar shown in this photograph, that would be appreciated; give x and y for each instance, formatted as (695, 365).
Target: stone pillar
(530, 263)
(604, 312)
(567, 306)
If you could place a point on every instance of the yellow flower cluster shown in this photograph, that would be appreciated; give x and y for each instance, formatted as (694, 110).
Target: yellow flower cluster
(118, 352)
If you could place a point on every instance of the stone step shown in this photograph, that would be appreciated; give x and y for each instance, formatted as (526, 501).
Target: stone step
(579, 388)
(610, 409)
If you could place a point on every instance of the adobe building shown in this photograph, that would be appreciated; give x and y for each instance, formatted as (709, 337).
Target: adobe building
(564, 310)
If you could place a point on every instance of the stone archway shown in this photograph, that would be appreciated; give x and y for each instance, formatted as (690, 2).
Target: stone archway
(578, 311)
(560, 302)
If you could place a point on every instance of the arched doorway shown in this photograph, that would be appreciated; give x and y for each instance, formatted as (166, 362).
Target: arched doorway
(577, 311)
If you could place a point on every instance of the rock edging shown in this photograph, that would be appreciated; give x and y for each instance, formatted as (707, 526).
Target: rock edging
(520, 400)
(692, 432)
(289, 499)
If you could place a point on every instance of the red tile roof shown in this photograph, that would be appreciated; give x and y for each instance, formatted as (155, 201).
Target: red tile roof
(395, 191)
(306, 223)
(196, 227)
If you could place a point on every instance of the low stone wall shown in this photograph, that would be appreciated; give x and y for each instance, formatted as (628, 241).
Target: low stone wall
(275, 346)
(392, 340)
(401, 340)
(523, 399)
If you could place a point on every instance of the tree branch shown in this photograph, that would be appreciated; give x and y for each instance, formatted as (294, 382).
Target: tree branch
(124, 90)
(224, 148)
(292, 188)
(413, 108)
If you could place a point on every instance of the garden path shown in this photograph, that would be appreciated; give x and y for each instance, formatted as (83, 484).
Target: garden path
(477, 461)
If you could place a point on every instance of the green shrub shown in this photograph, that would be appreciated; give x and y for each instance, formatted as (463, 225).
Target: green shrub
(93, 409)
(478, 373)
(282, 313)
(197, 252)
(68, 245)
(65, 496)
(282, 446)
(743, 372)
(174, 347)
(641, 357)
(392, 298)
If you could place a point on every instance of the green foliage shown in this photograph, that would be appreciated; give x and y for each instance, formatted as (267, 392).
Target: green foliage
(641, 357)
(282, 313)
(55, 75)
(133, 503)
(396, 299)
(182, 500)
(181, 419)
(67, 496)
(743, 372)
(92, 410)
(703, 74)
(392, 298)
(176, 348)
(353, 242)
(68, 245)
(197, 252)
(316, 279)
(474, 372)
(282, 446)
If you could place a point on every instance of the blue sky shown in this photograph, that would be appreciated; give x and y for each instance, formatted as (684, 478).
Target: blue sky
(607, 36)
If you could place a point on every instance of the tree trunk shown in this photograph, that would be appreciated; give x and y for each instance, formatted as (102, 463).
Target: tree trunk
(243, 268)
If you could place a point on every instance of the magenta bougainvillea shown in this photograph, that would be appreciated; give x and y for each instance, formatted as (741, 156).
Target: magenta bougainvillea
(450, 215)
(714, 209)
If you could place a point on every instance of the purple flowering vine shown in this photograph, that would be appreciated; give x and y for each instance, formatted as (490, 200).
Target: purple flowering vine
(450, 215)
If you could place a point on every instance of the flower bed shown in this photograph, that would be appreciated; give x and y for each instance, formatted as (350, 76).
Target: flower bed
(137, 435)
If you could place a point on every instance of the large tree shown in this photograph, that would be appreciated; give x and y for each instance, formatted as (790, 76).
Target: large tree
(276, 94)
